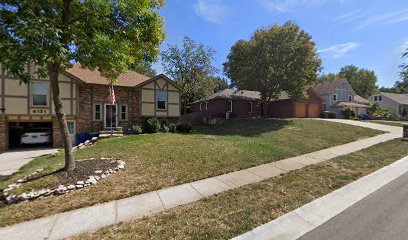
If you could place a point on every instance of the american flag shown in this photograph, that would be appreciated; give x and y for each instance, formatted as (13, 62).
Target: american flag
(112, 97)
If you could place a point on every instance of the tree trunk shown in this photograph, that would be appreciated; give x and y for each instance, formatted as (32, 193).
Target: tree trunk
(265, 106)
(53, 70)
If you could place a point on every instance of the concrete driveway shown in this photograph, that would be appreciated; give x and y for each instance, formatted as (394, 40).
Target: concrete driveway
(11, 161)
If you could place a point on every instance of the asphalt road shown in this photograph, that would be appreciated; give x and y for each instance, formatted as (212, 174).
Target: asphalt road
(383, 215)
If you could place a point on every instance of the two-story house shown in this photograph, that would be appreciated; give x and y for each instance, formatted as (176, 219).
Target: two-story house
(84, 94)
(338, 95)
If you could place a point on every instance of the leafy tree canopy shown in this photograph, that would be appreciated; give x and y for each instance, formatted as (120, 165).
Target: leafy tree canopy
(143, 67)
(191, 66)
(363, 81)
(275, 59)
(104, 35)
(108, 35)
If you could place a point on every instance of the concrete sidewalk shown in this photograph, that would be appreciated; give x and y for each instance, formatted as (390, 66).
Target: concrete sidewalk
(82, 220)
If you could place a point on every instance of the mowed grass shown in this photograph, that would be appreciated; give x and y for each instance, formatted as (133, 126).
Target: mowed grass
(237, 211)
(157, 161)
(390, 123)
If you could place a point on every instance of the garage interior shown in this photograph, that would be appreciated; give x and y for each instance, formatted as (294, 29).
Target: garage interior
(17, 129)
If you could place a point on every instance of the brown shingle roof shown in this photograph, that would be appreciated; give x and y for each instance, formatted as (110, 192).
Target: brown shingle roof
(129, 79)
(398, 98)
(240, 94)
(360, 99)
(233, 94)
(328, 87)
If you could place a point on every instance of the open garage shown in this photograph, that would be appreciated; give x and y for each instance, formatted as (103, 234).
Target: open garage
(35, 134)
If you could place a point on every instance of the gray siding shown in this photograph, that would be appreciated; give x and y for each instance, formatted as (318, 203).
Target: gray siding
(386, 103)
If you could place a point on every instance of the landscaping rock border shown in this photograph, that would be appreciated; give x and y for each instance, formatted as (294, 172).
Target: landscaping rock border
(61, 189)
(87, 143)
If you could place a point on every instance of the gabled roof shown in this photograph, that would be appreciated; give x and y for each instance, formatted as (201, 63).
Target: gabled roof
(360, 99)
(233, 95)
(328, 87)
(398, 98)
(129, 79)
(162, 76)
(240, 95)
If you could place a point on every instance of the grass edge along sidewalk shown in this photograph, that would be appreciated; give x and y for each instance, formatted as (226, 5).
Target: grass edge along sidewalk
(92, 218)
(159, 161)
(237, 211)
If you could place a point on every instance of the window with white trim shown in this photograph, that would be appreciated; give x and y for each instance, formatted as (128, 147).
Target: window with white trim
(206, 105)
(250, 107)
(97, 113)
(334, 97)
(201, 106)
(71, 127)
(161, 100)
(229, 106)
(124, 112)
(379, 98)
(375, 98)
(39, 93)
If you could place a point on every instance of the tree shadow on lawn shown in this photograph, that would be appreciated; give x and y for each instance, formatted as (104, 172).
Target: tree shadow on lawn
(243, 127)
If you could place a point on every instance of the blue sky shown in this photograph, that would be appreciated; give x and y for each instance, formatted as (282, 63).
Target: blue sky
(370, 34)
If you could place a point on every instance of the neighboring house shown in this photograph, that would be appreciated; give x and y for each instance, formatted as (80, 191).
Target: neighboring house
(245, 104)
(84, 95)
(397, 103)
(338, 95)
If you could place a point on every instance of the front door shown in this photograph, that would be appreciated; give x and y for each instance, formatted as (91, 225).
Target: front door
(111, 116)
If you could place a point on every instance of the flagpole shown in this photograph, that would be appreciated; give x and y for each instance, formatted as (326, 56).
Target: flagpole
(111, 97)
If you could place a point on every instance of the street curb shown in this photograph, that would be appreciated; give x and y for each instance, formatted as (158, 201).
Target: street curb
(295, 224)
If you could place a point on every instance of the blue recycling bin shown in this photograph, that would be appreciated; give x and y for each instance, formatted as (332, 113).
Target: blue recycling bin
(92, 135)
(81, 138)
(366, 117)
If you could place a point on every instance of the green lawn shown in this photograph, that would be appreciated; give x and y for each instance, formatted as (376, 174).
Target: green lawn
(237, 211)
(390, 123)
(161, 160)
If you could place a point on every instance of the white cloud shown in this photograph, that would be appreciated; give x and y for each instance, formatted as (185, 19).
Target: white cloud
(214, 11)
(287, 5)
(340, 50)
(384, 19)
(351, 16)
(365, 19)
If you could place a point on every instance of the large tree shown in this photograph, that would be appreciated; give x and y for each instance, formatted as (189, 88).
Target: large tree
(363, 81)
(191, 67)
(274, 59)
(143, 67)
(104, 35)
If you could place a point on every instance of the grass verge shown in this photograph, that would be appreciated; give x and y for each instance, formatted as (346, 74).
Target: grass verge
(157, 161)
(237, 211)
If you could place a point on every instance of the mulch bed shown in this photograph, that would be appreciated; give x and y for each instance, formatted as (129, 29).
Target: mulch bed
(84, 169)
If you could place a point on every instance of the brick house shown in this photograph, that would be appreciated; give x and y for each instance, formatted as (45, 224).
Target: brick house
(247, 104)
(84, 94)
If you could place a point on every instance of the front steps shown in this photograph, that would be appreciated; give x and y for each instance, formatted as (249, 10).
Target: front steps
(115, 132)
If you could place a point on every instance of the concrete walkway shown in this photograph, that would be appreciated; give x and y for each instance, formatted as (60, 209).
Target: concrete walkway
(82, 220)
(11, 161)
